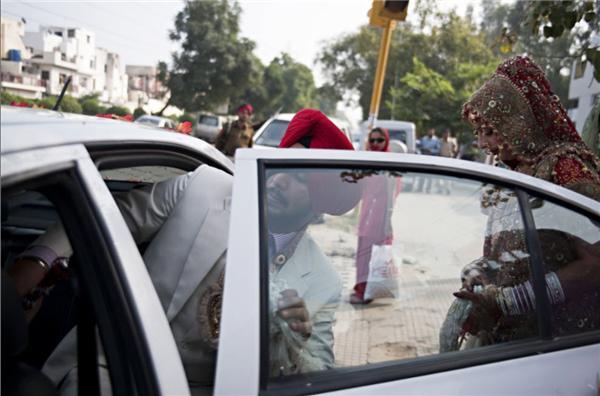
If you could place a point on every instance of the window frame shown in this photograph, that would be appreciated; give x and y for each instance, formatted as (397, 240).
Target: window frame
(341, 378)
(83, 207)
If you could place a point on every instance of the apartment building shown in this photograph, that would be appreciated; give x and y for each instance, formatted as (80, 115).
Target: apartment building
(16, 74)
(584, 93)
(55, 53)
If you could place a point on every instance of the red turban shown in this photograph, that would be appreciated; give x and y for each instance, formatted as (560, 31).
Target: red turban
(248, 107)
(329, 193)
(314, 124)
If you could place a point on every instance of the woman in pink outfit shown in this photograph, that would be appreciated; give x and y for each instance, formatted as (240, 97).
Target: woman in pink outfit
(374, 228)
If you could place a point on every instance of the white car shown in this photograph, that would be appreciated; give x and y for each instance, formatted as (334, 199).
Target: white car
(269, 135)
(61, 166)
(156, 121)
(400, 131)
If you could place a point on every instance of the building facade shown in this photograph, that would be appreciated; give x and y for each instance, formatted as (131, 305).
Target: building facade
(16, 73)
(52, 55)
(584, 92)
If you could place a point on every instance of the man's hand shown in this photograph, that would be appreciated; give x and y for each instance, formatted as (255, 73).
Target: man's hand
(293, 310)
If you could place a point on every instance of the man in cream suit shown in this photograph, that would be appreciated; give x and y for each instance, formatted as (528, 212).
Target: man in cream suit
(186, 220)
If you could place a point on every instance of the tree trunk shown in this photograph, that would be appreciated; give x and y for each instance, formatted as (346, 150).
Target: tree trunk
(160, 113)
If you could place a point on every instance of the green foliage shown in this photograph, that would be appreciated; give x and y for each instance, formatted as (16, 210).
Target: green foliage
(284, 85)
(554, 33)
(90, 104)
(430, 72)
(6, 98)
(187, 117)
(70, 105)
(118, 110)
(138, 112)
(328, 98)
(214, 62)
(47, 102)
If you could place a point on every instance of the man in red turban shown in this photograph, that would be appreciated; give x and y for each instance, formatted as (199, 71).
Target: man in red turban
(305, 288)
(236, 134)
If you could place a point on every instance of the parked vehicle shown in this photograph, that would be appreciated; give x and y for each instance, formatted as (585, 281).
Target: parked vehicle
(66, 167)
(156, 121)
(399, 130)
(271, 132)
(209, 125)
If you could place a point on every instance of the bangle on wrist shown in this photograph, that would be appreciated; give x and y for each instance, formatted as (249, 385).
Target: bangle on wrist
(43, 255)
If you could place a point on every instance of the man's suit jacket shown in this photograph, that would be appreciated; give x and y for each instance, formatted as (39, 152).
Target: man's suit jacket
(312, 275)
(187, 219)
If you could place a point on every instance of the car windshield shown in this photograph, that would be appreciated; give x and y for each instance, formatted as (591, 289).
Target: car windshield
(208, 120)
(273, 133)
(148, 121)
(397, 134)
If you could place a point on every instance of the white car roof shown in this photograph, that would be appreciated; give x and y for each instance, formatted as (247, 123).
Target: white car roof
(27, 129)
(153, 117)
(390, 123)
(284, 116)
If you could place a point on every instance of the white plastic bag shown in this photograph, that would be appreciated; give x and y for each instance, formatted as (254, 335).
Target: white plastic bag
(383, 274)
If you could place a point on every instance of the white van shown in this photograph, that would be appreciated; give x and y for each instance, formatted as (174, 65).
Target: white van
(404, 131)
(208, 126)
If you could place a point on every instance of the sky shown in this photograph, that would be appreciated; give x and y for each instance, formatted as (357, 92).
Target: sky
(138, 29)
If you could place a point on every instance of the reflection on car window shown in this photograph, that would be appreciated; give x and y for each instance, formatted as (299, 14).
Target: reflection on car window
(570, 244)
(376, 281)
(46, 351)
(273, 133)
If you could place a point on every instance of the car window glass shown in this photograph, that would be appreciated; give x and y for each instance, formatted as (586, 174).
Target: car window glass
(570, 244)
(145, 174)
(373, 259)
(54, 305)
(208, 120)
(273, 133)
(148, 121)
(397, 134)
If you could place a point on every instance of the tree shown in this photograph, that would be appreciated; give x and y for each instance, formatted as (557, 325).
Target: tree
(298, 82)
(214, 62)
(431, 71)
(575, 19)
(508, 32)
(91, 105)
(284, 85)
(118, 110)
(138, 112)
(328, 98)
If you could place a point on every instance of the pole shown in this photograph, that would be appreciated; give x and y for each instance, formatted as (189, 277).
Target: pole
(384, 49)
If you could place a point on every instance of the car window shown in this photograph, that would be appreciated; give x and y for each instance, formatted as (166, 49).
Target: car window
(141, 174)
(148, 121)
(567, 237)
(397, 134)
(273, 133)
(378, 280)
(60, 302)
(208, 120)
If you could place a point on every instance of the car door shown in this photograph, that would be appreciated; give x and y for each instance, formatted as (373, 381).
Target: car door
(408, 339)
(114, 290)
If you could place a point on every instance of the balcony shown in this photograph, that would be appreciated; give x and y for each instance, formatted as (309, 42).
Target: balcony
(31, 80)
